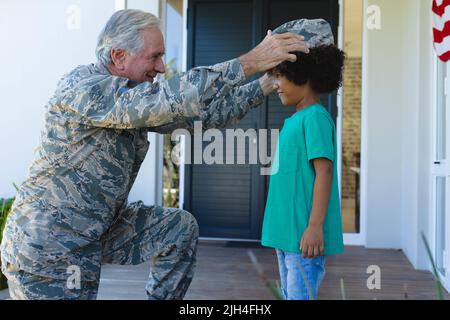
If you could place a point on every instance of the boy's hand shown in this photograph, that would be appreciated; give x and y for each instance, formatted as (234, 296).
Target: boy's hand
(311, 243)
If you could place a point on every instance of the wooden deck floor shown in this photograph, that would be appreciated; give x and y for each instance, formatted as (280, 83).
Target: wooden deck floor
(225, 271)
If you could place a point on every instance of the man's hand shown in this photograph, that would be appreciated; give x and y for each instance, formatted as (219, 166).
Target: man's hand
(272, 51)
(266, 83)
(311, 243)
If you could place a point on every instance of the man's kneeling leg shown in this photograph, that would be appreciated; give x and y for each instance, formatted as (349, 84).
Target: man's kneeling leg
(166, 236)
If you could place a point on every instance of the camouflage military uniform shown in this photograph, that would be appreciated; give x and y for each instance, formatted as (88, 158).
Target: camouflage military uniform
(73, 211)
(316, 31)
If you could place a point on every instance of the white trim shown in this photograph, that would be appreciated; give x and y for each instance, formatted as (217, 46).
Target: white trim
(185, 36)
(431, 217)
(364, 132)
(358, 238)
(432, 242)
(183, 140)
(435, 103)
(159, 165)
(181, 172)
(446, 280)
(446, 257)
(432, 183)
(440, 170)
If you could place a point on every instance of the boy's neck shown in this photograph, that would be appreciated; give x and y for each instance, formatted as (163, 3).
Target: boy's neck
(307, 101)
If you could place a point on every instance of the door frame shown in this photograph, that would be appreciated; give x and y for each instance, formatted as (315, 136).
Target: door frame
(356, 239)
(440, 168)
(349, 238)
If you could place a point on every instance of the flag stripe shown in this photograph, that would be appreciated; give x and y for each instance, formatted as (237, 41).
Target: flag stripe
(441, 28)
(445, 57)
(443, 47)
(439, 9)
(440, 35)
(439, 21)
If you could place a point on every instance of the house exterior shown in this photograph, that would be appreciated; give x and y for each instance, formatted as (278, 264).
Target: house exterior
(393, 132)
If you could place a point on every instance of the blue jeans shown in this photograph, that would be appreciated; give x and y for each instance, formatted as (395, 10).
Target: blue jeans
(295, 271)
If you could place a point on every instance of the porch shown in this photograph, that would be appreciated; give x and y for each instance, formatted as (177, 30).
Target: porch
(225, 271)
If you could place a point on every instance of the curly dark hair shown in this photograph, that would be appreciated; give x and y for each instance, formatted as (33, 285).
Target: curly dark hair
(321, 67)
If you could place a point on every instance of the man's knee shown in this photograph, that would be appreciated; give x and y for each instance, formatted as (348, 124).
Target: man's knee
(182, 229)
(190, 223)
(181, 232)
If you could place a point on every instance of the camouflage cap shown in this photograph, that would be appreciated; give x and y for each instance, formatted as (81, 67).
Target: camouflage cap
(316, 32)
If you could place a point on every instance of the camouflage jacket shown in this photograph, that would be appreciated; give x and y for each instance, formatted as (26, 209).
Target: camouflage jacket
(91, 149)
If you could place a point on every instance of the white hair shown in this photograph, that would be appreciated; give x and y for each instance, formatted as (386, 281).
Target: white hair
(123, 31)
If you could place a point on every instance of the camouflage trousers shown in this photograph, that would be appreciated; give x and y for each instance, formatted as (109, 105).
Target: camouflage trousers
(166, 237)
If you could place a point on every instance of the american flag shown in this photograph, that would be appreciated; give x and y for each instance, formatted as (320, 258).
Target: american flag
(441, 28)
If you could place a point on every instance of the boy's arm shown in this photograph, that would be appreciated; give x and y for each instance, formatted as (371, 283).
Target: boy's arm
(312, 244)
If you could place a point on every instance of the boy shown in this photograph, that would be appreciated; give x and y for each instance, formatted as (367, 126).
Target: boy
(302, 219)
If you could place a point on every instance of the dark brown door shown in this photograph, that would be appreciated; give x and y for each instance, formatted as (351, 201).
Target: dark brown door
(228, 200)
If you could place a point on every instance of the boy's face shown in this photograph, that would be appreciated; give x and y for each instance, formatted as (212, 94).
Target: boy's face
(290, 94)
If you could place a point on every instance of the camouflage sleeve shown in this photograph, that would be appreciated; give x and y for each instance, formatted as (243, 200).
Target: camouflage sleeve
(226, 109)
(199, 93)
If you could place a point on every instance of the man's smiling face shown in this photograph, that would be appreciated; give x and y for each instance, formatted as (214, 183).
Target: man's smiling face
(148, 62)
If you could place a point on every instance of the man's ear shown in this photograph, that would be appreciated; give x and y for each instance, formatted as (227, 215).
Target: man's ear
(118, 58)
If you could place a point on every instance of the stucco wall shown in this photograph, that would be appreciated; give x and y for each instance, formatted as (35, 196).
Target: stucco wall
(42, 40)
(397, 106)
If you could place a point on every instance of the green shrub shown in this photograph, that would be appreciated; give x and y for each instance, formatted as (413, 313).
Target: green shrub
(5, 208)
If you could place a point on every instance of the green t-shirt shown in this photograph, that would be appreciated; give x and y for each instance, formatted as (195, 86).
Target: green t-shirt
(308, 134)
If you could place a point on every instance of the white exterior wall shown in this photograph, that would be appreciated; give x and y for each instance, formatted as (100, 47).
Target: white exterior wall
(149, 183)
(397, 123)
(382, 113)
(416, 133)
(420, 35)
(38, 49)
(409, 131)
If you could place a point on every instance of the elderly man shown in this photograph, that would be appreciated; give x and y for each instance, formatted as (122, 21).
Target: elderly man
(71, 214)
